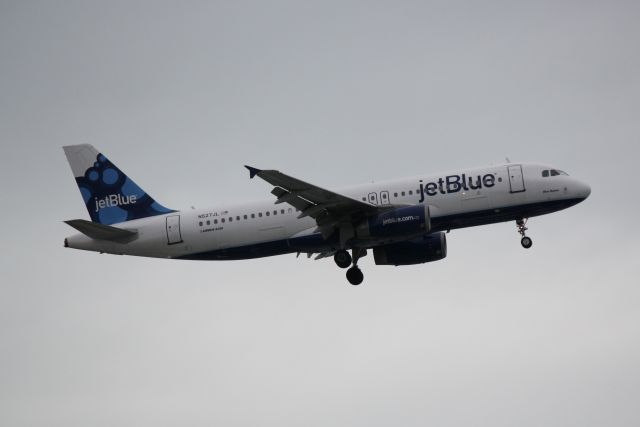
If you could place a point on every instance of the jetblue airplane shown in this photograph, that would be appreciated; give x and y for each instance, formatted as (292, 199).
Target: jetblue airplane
(402, 221)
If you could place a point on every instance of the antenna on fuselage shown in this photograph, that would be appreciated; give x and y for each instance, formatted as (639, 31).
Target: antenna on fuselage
(507, 159)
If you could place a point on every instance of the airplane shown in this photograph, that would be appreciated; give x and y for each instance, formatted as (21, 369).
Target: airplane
(402, 221)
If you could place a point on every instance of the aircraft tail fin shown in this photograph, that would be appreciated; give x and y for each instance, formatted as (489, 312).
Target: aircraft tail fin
(109, 195)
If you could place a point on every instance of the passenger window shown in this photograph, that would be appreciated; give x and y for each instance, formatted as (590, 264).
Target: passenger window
(260, 214)
(208, 222)
(267, 212)
(290, 210)
(410, 192)
(364, 199)
(200, 223)
(222, 220)
(275, 212)
(215, 221)
(395, 194)
(253, 215)
(402, 193)
(545, 173)
(230, 219)
(245, 217)
(282, 211)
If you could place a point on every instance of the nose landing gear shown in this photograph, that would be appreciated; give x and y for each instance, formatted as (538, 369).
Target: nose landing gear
(526, 242)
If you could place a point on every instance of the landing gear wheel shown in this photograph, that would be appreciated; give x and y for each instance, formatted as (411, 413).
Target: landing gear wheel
(354, 275)
(342, 258)
(526, 242)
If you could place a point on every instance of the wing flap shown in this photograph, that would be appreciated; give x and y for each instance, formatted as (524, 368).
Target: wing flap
(292, 198)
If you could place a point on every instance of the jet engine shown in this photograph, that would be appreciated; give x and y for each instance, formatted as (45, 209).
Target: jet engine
(431, 247)
(406, 221)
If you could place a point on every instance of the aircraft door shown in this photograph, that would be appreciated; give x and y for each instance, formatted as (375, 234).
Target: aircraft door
(373, 198)
(384, 198)
(173, 230)
(516, 180)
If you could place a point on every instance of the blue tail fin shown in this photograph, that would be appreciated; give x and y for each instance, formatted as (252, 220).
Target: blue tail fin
(109, 194)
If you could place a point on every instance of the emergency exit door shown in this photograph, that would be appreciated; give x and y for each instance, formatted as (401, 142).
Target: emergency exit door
(516, 180)
(173, 230)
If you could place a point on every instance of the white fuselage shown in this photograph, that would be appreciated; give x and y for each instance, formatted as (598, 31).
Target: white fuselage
(460, 199)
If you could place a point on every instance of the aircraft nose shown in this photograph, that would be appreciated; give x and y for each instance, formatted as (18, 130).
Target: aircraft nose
(583, 190)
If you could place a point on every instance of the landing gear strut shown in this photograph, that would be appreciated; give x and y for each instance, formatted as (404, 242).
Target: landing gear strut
(526, 242)
(354, 274)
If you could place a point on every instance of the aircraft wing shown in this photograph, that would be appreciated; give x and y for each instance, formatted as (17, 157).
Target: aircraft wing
(329, 209)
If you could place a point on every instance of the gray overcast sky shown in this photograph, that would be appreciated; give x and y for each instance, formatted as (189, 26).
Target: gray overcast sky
(182, 94)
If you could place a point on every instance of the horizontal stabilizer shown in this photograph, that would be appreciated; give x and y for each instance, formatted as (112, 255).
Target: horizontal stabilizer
(98, 231)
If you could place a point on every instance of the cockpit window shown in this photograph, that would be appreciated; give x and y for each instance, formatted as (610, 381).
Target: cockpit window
(553, 172)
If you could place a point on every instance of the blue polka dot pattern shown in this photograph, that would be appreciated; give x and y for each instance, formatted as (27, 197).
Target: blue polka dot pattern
(109, 176)
(86, 194)
(129, 188)
(112, 215)
(112, 197)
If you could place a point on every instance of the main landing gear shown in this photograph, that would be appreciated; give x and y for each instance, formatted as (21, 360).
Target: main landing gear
(344, 260)
(354, 275)
(526, 242)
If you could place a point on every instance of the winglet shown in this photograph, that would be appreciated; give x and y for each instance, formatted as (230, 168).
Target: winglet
(252, 171)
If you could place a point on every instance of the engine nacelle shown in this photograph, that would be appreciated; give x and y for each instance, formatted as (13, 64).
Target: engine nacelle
(432, 247)
(407, 221)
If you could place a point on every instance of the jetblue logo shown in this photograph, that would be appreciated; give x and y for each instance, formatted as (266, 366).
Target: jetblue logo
(115, 200)
(455, 183)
